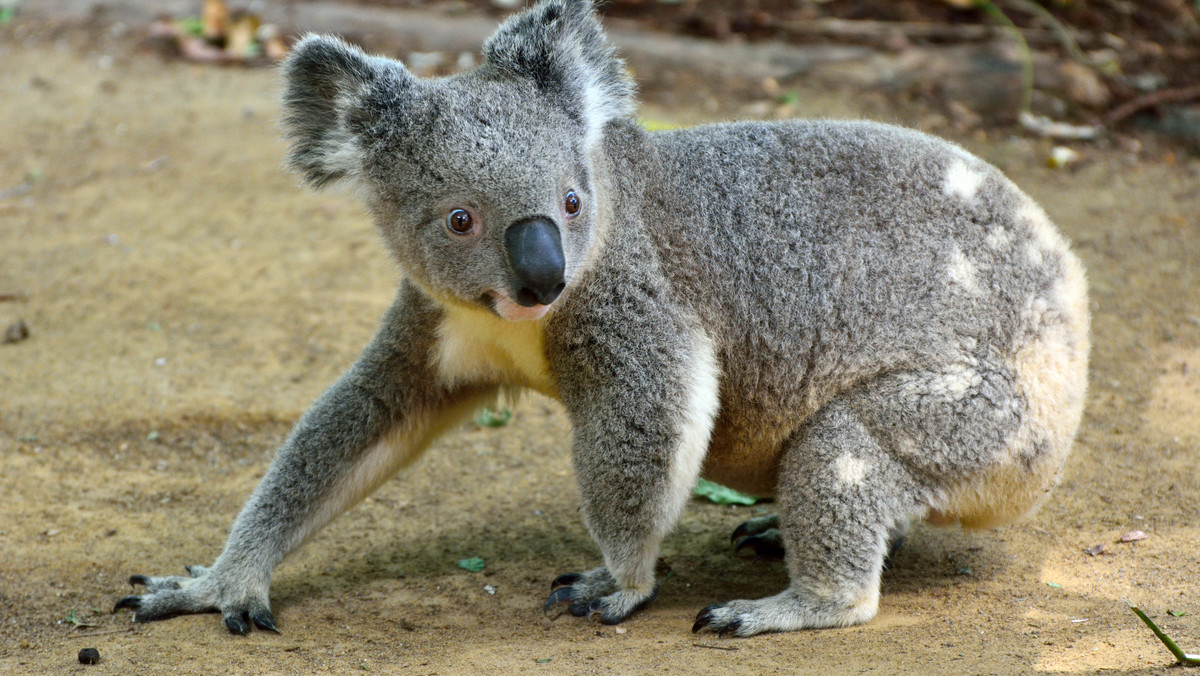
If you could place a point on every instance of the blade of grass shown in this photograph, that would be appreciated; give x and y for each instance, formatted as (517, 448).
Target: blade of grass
(1184, 658)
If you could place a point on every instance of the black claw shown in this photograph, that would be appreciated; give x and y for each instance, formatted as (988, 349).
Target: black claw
(704, 617)
(565, 580)
(595, 612)
(264, 620)
(740, 532)
(562, 595)
(730, 628)
(139, 579)
(237, 625)
(128, 602)
(764, 547)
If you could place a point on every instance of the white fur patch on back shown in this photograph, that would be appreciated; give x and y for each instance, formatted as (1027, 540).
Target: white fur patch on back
(474, 345)
(998, 238)
(962, 181)
(850, 470)
(963, 272)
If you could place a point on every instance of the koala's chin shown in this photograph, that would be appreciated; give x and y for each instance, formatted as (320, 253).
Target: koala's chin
(512, 311)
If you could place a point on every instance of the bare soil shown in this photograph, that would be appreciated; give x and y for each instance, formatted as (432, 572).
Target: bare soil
(186, 301)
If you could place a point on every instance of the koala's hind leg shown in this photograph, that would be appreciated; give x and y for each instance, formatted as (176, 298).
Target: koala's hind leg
(841, 501)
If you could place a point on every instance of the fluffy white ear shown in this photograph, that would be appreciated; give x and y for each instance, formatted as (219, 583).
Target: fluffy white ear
(560, 45)
(325, 81)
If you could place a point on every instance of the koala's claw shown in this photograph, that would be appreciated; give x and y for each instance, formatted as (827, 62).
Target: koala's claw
(707, 619)
(565, 580)
(596, 596)
(756, 526)
(766, 545)
(128, 602)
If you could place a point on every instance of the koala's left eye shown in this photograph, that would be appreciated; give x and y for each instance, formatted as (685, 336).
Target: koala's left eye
(571, 203)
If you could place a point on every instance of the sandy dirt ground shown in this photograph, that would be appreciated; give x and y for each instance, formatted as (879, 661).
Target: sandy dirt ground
(186, 301)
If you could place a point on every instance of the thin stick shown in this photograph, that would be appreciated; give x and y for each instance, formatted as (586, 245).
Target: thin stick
(98, 633)
(1131, 108)
(713, 647)
(1184, 658)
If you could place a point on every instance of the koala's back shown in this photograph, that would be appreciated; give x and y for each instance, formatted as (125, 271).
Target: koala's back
(828, 256)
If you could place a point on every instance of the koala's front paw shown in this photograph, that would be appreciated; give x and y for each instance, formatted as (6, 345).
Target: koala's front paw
(175, 595)
(596, 596)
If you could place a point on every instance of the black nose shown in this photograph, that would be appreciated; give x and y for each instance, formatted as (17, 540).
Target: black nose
(536, 255)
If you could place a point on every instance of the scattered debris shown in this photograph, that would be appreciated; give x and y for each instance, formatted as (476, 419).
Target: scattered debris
(1133, 536)
(730, 648)
(545, 660)
(73, 619)
(1044, 126)
(722, 495)
(621, 630)
(1061, 156)
(89, 656)
(16, 332)
(222, 35)
(473, 564)
(1054, 585)
(490, 589)
(1177, 613)
(1095, 550)
(965, 570)
(1182, 657)
(16, 191)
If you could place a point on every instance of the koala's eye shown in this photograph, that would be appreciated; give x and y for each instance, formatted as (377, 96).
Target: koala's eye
(460, 222)
(571, 203)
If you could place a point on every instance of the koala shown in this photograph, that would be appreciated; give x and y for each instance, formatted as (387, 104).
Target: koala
(868, 323)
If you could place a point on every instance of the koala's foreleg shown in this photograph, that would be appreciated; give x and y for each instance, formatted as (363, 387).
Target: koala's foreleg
(639, 444)
(842, 499)
(377, 418)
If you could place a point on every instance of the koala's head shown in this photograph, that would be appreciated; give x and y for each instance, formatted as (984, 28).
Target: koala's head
(481, 182)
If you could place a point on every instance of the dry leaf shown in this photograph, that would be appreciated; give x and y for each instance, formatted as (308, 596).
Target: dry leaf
(1133, 536)
(1094, 550)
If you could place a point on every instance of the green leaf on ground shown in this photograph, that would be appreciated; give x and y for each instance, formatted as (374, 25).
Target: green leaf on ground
(1054, 585)
(473, 564)
(722, 495)
(489, 418)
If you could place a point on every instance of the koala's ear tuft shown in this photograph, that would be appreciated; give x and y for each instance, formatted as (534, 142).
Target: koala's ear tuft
(325, 80)
(560, 45)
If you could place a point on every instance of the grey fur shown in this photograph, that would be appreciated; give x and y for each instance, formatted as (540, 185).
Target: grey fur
(866, 320)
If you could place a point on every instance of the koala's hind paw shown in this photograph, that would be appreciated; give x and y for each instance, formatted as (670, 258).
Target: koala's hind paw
(787, 611)
(175, 595)
(595, 595)
(761, 535)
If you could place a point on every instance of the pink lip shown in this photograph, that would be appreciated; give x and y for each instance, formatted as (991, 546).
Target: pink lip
(511, 311)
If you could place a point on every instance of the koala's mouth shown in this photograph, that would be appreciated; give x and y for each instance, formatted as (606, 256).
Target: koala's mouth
(509, 309)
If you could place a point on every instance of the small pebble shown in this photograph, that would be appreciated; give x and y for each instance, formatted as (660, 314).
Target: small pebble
(16, 332)
(89, 656)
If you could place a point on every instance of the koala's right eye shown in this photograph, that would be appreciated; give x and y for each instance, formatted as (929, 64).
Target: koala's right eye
(460, 222)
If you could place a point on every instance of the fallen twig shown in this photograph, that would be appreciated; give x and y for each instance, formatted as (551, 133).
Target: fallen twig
(1184, 658)
(1131, 108)
(713, 647)
(1044, 126)
(98, 633)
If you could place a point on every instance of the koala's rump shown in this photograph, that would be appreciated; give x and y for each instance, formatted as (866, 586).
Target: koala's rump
(863, 253)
